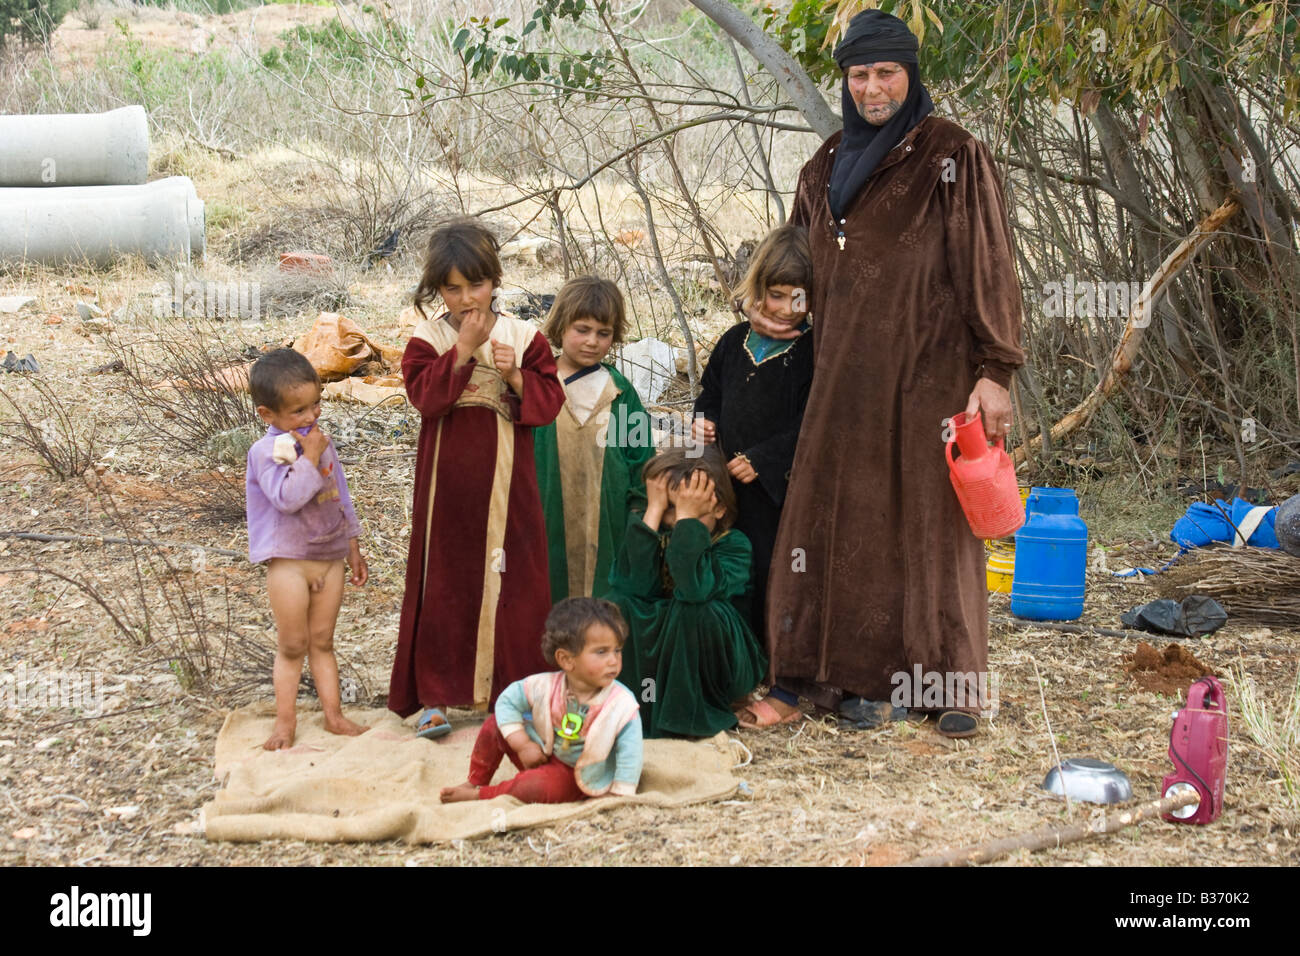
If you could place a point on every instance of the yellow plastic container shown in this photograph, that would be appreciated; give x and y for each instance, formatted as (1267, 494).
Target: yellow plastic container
(1001, 567)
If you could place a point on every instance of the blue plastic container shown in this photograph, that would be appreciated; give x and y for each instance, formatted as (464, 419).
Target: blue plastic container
(1051, 558)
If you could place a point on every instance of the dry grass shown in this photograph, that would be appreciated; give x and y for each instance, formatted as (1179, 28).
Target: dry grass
(1275, 732)
(814, 796)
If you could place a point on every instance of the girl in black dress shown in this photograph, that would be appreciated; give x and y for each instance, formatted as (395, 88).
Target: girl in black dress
(751, 403)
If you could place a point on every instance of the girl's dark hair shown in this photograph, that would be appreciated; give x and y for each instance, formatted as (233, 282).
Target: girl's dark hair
(679, 465)
(586, 297)
(275, 373)
(567, 624)
(465, 245)
(782, 258)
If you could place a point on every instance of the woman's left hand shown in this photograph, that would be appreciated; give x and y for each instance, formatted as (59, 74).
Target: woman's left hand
(764, 324)
(741, 470)
(503, 357)
(993, 402)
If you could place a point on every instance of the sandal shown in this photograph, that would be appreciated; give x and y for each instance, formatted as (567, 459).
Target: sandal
(767, 715)
(427, 729)
(957, 725)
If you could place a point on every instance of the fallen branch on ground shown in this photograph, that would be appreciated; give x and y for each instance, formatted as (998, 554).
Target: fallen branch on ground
(101, 539)
(1127, 349)
(115, 713)
(1048, 837)
(1070, 628)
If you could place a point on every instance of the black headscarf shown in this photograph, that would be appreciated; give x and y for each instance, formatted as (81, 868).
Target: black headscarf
(873, 37)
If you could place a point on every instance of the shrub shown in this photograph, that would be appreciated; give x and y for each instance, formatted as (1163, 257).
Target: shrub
(31, 21)
(46, 427)
(190, 404)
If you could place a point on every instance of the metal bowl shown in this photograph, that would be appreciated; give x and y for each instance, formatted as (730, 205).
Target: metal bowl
(1088, 780)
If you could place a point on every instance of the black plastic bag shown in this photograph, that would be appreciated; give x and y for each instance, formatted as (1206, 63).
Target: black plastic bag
(1192, 617)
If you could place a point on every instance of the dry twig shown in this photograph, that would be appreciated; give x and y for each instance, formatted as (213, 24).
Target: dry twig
(1055, 836)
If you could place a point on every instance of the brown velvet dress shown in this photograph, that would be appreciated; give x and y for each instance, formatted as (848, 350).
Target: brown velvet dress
(875, 568)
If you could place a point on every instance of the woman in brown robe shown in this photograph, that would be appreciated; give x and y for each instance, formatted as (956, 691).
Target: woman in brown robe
(875, 569)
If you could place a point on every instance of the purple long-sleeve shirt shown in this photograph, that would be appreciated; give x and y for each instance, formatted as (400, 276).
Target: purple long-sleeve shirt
(300, 510)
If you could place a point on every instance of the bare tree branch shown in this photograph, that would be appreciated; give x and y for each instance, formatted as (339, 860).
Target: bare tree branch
(792, 77)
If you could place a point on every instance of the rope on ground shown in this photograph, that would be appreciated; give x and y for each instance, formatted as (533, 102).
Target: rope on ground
(749, 754)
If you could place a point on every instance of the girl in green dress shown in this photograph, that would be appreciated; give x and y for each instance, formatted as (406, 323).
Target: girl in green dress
(681, 579)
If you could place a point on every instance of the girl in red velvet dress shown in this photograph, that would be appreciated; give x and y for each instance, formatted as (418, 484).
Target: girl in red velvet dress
(477, 591)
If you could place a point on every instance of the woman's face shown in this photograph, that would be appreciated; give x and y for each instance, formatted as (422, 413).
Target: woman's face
(878, 90)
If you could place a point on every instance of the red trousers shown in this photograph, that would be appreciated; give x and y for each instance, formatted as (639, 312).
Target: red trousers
(552, 782)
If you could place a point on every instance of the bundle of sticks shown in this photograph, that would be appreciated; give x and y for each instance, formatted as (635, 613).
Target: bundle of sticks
(1258, 585)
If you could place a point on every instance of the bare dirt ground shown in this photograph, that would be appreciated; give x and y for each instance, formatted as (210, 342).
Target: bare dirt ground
(126, 787)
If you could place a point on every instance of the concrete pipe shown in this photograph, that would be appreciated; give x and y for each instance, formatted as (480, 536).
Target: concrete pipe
(162, 221)
(75, 149)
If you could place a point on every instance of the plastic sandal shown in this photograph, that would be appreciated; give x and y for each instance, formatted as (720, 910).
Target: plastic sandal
(767, 715)
(427, 729)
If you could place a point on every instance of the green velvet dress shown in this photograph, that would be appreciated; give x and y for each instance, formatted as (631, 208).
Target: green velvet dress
(690, 652)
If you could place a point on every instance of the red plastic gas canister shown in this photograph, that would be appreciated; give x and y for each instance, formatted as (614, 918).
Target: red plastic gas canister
(984, 479)
(1198, 746)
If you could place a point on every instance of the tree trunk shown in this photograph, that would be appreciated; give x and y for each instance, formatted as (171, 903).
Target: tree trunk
(785, 68)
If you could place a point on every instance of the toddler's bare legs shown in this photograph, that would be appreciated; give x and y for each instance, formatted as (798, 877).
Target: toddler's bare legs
(288, 585)
(305, 598)
(324, 612)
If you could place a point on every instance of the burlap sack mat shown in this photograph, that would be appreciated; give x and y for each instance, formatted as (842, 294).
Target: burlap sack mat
(384, 784)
